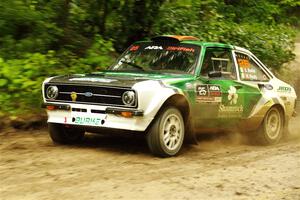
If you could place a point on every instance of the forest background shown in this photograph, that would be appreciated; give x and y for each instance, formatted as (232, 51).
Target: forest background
(42, 38)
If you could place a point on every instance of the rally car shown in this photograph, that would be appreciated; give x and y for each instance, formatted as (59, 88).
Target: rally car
(170, 88)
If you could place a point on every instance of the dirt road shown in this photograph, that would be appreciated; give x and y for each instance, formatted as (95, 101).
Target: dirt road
(113, 167)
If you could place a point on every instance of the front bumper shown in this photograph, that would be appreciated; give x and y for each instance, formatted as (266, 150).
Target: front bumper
(97, 116)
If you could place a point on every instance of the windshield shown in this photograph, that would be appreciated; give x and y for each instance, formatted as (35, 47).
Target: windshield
(156, 57)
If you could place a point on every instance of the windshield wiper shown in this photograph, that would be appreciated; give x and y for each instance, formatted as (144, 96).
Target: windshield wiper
(133, 65)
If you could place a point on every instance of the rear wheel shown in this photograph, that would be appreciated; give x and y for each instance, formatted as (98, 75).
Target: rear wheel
(271, 129)
(166, 134)
(65, 135)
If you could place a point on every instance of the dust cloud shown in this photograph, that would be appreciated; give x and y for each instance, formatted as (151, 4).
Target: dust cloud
(294, 126)
(214, 141)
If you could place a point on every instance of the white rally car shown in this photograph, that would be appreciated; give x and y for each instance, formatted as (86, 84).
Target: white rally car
(171, 88)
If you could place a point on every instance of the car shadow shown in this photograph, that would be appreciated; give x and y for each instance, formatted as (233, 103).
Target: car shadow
(122, 143)
(135, 143)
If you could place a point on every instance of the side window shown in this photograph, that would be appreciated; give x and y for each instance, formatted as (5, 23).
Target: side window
(249, 70)
(218, 59)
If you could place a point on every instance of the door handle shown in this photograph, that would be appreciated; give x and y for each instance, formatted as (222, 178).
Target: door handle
(267, 86)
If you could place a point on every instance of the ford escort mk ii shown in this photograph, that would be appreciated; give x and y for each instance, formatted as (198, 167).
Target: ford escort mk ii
(171, 88)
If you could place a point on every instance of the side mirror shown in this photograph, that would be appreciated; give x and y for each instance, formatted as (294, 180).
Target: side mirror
(214, 74)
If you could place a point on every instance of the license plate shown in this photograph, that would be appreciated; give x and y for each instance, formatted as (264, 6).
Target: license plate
(94, 121)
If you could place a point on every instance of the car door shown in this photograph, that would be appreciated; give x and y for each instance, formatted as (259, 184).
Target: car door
(219, 102)
(255, 80)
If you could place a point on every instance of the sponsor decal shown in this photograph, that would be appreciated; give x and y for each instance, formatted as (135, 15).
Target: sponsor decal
(134, 48)
(284, 89)
(224, 108)
(230, 111)
(248, 73)
(214, 90)
(243, 63)
(154, 47)
(103, 80)
(232, 95)
(208, 99)
(173, 48)
(202, 90)
(209, 93)
(73, 96)
(86, 120)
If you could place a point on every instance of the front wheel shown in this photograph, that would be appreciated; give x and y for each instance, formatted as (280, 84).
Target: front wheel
(166, 134)
(65, 135)
(271, 129)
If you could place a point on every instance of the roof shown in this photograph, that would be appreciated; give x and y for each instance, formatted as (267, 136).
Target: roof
(177, 38)
(188, 40)
(242, 49)
(194, 40)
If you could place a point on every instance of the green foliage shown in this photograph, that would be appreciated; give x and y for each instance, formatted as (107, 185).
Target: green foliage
(234, 24)
(42, 38)
(25, 29)
(21, 79)
(272, 44)
(99, 55)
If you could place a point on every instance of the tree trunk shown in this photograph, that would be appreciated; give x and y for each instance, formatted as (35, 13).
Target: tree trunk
(142, 17)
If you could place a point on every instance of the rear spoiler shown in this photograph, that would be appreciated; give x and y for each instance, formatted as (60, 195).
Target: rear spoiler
(173, 38)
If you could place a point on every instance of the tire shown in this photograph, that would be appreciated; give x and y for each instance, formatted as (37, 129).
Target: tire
(64, 135)
(271, 129)
(166, 134)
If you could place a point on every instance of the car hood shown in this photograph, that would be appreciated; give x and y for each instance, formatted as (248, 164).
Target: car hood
(119, 79)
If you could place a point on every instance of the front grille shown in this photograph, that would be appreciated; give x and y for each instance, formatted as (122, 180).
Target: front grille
(99, 95)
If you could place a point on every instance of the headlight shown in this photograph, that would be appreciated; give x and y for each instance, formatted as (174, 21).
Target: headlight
(52, 92)
(128, 98)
